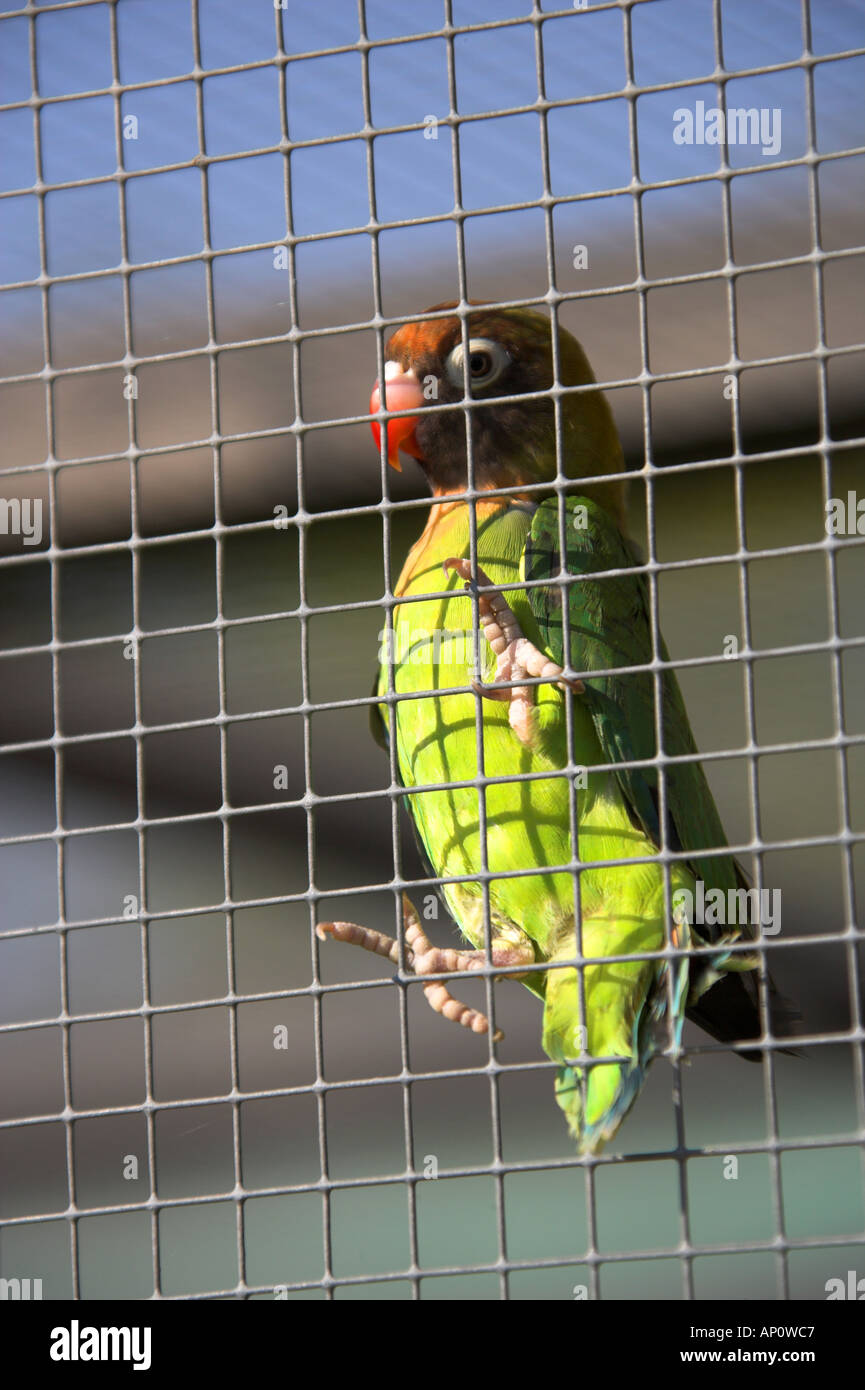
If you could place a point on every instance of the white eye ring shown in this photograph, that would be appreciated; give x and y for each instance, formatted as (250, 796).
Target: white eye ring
(487, 361)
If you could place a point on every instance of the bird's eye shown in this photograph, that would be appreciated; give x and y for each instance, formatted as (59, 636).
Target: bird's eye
(487, 361)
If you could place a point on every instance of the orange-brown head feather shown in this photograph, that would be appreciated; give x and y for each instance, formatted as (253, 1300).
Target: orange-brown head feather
(513, 440)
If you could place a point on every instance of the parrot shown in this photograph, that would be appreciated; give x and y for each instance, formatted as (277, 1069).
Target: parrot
(522, 653)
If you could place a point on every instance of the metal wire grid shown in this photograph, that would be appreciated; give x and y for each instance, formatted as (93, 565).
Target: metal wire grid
(756, 846)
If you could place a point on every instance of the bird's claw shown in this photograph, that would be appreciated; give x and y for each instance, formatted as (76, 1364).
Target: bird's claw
(516, 656)
(422, 958)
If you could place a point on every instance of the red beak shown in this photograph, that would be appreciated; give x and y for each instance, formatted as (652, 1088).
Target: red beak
(402, 391)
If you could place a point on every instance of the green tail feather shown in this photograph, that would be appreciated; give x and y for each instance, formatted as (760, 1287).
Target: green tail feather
(628, 1009)
(611, 1089)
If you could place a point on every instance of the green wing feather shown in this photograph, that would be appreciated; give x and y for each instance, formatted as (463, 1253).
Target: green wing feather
(610, 630)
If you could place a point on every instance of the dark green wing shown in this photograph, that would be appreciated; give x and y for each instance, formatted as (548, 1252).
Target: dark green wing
(610, 629)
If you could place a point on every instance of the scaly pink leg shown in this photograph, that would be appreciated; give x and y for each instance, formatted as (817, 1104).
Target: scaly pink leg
(516, 656)
(422, 958)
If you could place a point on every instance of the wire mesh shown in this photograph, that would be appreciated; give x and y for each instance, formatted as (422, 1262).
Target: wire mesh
(233, 1196)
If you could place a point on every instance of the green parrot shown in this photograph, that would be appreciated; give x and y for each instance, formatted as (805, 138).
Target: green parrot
(571, 844)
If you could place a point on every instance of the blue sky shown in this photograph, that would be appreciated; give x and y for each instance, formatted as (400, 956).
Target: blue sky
(500, 162)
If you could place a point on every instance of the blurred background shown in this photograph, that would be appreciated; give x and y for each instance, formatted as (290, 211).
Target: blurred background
(148, 394)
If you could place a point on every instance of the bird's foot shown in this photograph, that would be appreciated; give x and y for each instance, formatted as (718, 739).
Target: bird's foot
(516, 657)
(422, 958)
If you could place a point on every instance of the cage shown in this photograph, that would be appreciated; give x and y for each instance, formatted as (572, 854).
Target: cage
(213, 215)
